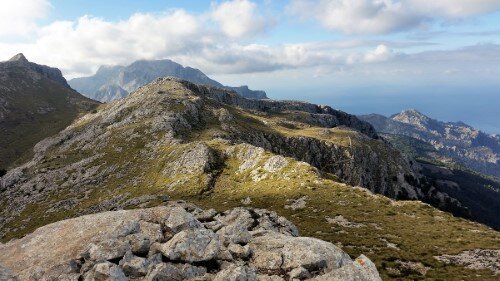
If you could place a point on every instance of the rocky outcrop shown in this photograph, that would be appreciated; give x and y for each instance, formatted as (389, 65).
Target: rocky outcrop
(475, 259)
(178, 242)
(114, 82)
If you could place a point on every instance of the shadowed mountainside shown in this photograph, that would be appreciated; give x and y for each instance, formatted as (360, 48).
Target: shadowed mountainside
(35, 102)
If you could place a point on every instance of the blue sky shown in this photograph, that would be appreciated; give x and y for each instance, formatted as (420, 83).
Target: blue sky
(439, 56)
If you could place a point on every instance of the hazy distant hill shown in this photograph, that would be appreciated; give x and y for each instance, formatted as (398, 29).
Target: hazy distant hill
(114, 82)
(35, 102)
(448, 142)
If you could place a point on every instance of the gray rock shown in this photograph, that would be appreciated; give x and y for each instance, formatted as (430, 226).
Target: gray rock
(174, 272)
(107, 250)
(6, 274)
(179, 219)
(238, 251)
(164, 272)
(237, 273)
(299, 273)
(273, 251)
(105, 271)
(362, 269)
(206, 215)
(263, 277)
(192, 245)
(139, 243)
(134, 266)
(194, 253)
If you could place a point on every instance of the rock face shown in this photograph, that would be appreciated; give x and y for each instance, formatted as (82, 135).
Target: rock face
(169, 243)
(35, 102)
(114, 82)
(448, 141)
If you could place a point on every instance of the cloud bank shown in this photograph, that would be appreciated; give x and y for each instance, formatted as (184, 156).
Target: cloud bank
(218, 41)
(384, 16)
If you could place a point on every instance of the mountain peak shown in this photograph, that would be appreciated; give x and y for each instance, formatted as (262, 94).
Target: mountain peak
(19, 57)
(412, 112)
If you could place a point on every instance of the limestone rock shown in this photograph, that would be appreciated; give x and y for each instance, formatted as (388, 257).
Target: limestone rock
(192, 245)
(129, 245)
(237, 273)
(105, 271)
(272, 251)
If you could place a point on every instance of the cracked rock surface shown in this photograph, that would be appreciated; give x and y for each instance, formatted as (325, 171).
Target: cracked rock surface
(178, 241)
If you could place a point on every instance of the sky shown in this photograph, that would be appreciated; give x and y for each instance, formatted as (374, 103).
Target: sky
(441, 57)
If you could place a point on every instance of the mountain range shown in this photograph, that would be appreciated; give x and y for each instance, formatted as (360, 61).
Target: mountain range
(114, 82)
(448, 142)
(35, 102)
(173, 143)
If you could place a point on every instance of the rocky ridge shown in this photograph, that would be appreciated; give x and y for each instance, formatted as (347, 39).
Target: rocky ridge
(178, 242)
(174, 139)
(177, 114)
(185, 125)
(453, 142)
(114, 82)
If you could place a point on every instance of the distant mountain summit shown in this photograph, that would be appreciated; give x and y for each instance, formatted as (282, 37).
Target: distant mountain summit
(114, 82)
(19, 58)
(19, 61)
(449, 141)
(35, 102)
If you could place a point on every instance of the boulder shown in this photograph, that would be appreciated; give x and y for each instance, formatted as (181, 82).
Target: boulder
(192, 245)
(274, 251)
(105, 271)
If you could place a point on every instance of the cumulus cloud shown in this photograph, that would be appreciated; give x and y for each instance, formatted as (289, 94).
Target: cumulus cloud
(383, 16)
(239, 18)
(18, 17)
(80, 47)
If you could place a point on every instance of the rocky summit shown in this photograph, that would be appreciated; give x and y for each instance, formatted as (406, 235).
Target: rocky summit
(115, 82)
(178, 241)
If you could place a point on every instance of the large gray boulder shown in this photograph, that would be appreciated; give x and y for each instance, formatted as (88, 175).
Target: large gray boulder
(170, 243)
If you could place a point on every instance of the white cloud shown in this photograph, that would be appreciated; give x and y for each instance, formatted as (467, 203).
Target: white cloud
(381, 53)
(18, 17)
(239, 18)
(80, 47)
(383, 16)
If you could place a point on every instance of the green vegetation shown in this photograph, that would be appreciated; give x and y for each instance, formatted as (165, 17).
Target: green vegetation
(133, 161)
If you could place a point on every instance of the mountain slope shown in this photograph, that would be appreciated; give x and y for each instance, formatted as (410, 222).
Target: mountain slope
(35, 102)
(174, 139)
(452, 142)
(114, 82)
